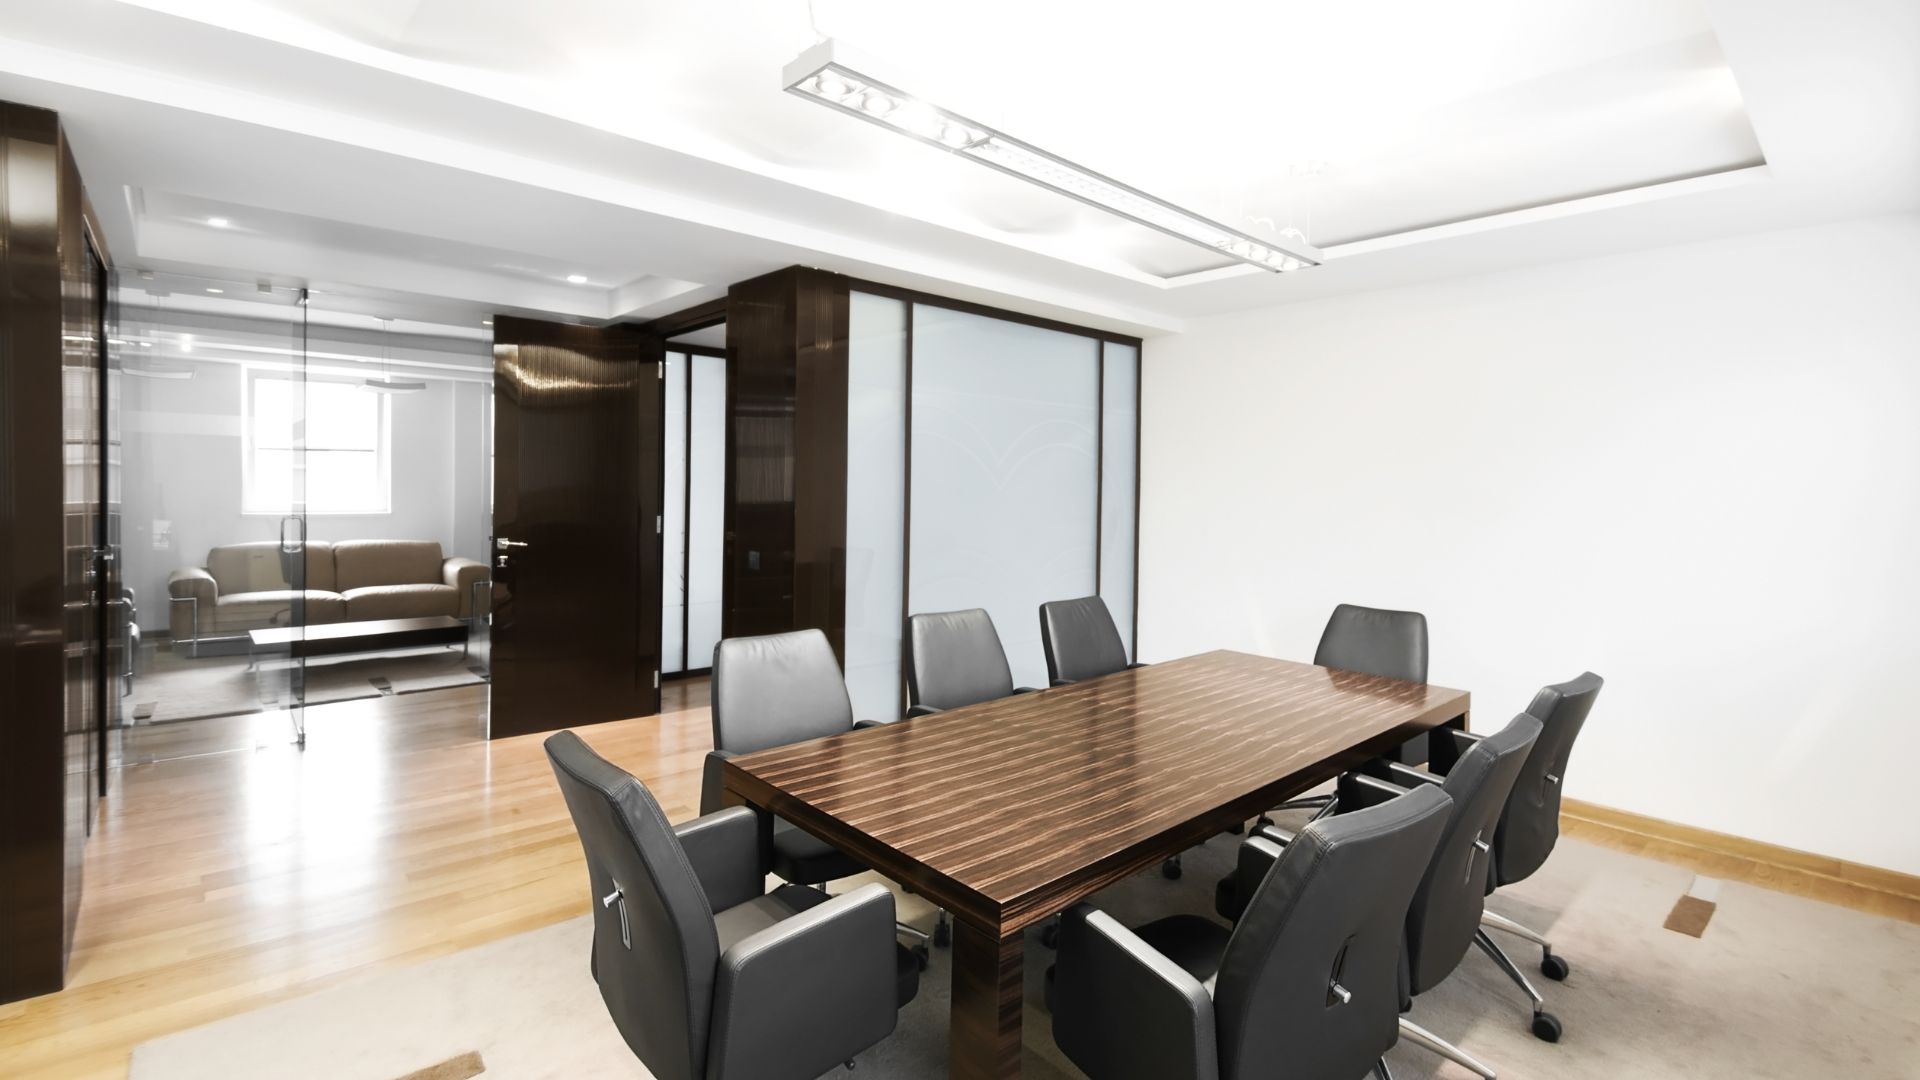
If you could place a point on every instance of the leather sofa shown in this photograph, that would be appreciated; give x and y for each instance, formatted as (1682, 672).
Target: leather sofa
(248, 586)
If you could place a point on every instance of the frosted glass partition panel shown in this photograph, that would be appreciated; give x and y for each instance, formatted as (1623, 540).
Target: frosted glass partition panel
(876, 501)
(673, 519)
(1005, 445)
(706, 507)
(1119, 468)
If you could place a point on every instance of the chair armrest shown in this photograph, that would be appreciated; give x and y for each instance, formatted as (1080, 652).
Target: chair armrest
(1137, 666)
(713, 782)
(1122, 1009)
(1358, 791)
(808, 992)
(1061, 682)
(1026, 689)
(1446, 746)
(724, 850)
(461, 574)
(919, 710)
(1405, 776)
(862, 725)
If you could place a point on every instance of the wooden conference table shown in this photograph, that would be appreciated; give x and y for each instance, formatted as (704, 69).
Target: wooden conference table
(1007, 812)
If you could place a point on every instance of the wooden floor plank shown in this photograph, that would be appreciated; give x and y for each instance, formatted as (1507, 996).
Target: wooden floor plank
(220, 880)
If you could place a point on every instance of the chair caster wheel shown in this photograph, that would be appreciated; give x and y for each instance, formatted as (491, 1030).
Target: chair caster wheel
(1170, 869)
(1050, 935)
(943, 933)
(1553, 967)
(1546, 1027)
(922, 957)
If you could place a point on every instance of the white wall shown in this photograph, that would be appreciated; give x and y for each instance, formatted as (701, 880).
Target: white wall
(1694, 470)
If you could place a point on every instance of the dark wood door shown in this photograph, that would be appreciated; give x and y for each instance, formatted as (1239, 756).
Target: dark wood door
(576, 505)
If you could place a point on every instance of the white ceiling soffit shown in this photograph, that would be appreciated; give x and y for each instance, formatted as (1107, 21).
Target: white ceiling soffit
(483, 152)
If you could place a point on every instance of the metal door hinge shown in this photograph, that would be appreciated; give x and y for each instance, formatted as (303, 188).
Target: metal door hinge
(656, 680)
(658, 526)
(660, 369)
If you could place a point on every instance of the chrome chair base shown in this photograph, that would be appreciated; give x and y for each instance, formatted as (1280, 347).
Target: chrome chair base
(1546, 1026)
(1427, 1040)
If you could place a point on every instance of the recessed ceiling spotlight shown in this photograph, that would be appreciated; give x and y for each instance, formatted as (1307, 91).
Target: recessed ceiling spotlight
(576, 279)
(823, 74)
(218, 222)
(216, 291)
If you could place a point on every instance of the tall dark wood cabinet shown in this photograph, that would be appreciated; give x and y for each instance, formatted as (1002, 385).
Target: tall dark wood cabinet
(55, 573)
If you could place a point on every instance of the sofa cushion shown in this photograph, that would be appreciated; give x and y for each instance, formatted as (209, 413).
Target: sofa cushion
(261, 567)
(401, 601)
(271, 607)
(360, 564)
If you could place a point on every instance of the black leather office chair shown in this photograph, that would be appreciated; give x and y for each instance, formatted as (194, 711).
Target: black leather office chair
(1444, 918)
(1305, 987)
(1080, 640)
(772, 691)
(1372, 641)
(706, 975)
(955, 659)
(1530, 824)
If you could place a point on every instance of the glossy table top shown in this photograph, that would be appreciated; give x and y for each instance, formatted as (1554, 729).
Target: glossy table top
(1009, 808)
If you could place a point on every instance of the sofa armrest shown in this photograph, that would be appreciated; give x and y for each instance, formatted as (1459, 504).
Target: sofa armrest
(190, 583)
(462, 574)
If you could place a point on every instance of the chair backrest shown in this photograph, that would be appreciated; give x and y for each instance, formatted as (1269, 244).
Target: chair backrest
(775, 690)
(1080, 639)
(1375, 641)
(1446, 908)
(659, 988)
(1530, 825)
(954, 659)
(361, 564)
(1331, 913)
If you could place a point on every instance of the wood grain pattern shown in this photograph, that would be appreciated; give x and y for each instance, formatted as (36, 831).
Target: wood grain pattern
(989, 993)
(1011, 810)
(1008, 811)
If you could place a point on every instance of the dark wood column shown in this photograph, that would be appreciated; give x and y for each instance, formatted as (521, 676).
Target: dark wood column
(786, 488)
(50, 605)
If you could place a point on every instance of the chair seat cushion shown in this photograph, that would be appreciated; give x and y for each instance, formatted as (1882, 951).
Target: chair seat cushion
(1194, 943)
(802, 858)
(743, 920)
(401, 601)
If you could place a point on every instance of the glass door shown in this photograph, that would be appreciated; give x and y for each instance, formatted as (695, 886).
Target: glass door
(218, 581)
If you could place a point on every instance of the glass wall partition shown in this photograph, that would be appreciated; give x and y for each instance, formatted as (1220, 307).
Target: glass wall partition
(294, 472)
(991, 464)
(693, 525)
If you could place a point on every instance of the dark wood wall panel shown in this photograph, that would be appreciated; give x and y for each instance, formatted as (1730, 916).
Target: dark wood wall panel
(48, 692)
(786, 492)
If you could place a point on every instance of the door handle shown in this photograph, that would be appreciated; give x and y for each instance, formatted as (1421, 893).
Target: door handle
(501, 543)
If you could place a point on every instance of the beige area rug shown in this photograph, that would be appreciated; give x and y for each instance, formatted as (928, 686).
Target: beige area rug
(1777, 987)
(171, 688)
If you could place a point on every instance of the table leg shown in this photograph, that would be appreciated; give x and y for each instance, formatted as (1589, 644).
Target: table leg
(989, 981)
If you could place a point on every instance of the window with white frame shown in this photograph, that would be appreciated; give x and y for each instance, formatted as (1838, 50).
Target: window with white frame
(346, 446)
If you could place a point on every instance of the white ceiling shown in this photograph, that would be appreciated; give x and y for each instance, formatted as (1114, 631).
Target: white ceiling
(441, 160)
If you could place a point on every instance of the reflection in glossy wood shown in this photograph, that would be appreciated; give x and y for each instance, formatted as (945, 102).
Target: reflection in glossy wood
(1006, 812)
(223, 883)
(1008, 808)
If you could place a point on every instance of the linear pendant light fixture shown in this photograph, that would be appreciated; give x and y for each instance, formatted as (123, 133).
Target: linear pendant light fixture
(818, 75)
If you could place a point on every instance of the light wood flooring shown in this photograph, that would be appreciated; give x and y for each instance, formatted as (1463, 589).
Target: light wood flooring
(221, 882)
